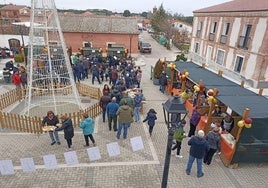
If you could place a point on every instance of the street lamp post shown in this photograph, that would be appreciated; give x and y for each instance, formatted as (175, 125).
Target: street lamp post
(173, 108)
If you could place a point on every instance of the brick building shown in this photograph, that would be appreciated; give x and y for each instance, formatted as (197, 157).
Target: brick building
(100, 32)
(233, 37)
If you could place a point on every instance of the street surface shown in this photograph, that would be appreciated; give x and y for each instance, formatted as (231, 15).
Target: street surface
(140, 169)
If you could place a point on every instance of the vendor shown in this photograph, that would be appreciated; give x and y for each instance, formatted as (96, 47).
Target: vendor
(217, 112)
(227, 124)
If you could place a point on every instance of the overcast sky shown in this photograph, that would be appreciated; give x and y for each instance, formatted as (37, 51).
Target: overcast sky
(186, 7)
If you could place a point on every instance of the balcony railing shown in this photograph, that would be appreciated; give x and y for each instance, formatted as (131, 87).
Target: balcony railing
(243, 42)
(211, 36)
(223, 39)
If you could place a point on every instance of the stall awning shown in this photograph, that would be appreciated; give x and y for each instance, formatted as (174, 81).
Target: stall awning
(230, 93)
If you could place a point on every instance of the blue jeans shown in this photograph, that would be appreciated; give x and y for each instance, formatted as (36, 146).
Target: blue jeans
(125, 126)
(51, 135)
(190, 164)
(162, 88)
(137, 113)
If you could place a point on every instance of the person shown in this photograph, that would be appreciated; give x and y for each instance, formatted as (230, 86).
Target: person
(217, 112)
(17, 83)
(151, 117)
(194, 120)
(214, 142)
(52, 120)
(138, 77)
(95, 74)
(125, 97)
(104, 100)
(88, 128)
(125, 118)
(227, 124)
(105, 89)
(163, 81)
(6, 75)
(137, 105)
(198, 148)
(179, 135)
(111, 109)
(67, 127)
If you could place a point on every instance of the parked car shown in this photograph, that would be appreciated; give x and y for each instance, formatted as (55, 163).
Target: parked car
(145, 47)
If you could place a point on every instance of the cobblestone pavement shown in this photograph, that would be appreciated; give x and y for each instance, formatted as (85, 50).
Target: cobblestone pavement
(141, 169)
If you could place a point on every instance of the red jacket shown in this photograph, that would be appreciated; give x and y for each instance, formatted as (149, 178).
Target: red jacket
(16, 79)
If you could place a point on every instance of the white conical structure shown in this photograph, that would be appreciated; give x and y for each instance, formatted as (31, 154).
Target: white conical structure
(51, 84)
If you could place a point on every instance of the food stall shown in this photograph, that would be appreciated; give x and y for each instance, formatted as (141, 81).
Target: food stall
(244, 143)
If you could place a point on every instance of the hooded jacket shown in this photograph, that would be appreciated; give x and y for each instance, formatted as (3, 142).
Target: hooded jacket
(125, 114)
(151, 117)
(199, 147)
(87, 125)
(67, 127)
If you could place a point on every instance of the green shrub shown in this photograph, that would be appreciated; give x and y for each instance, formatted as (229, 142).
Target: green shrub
(181, 57)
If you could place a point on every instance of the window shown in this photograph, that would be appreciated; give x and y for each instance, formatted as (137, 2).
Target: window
(238, 63)
(199, 28)
(225, 30)
(244, 39)
(213, 27)
(196, 47)
(87, 44)
(220, 57)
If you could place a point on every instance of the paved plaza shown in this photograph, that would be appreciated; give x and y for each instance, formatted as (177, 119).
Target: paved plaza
(140, 169)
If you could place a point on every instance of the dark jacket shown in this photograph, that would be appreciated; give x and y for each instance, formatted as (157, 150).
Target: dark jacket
(67, 127)
(50, 122)
(151, 117)
(214, 140)
(138, 100)
(105, 99)
(163, 79)
(199, 147)
(195, 118)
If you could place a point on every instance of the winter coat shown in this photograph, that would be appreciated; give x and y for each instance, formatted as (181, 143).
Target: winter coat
(16, 79)
(163, 79)
(125, 114)
(104, 101)
(199, 147)
(115, 93)
(87, 125)
(23, 78)
(129, 100)
(195, 118)
(214, 140)
(50, 122)
(151, 117)
(112, 108)
(138, 100)
(67, 127)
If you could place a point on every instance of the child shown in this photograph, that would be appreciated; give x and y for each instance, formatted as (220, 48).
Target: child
(151, 117)
(178, 136)
(88, 128)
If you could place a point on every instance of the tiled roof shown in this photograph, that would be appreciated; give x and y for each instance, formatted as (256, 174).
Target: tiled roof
(13, 7)
(71, 23)
(237, 6)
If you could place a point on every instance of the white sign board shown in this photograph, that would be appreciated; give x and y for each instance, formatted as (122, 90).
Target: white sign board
(94, 154)
(136, 143)
(113, 149)
(50, 161)
(27, 165)
(71, 158)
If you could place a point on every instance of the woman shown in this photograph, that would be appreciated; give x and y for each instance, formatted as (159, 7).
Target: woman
(151, 117)
(67, 127)
(52, 120)
(227, 124)
(88, 128)
(214, 142)
(106, 89)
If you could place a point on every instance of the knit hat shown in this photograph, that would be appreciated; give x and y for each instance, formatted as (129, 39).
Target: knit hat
(201, 133)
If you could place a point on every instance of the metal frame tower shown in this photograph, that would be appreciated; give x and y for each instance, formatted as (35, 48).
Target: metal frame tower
(51, 84)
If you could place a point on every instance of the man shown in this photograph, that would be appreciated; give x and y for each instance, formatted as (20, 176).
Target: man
(163, 81)
(111, 109)
(104, 100)
(125, 118)
(95, 74)
(199, 147)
